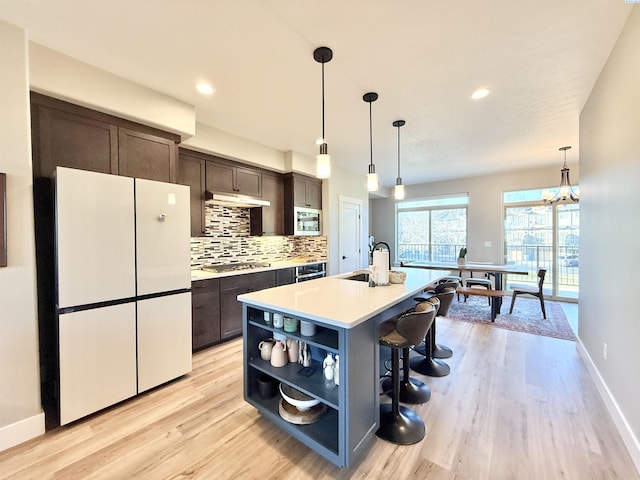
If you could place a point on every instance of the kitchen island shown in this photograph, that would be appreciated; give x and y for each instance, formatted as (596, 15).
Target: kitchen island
(346, 314)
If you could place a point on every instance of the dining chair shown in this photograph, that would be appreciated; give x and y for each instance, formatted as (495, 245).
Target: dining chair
(530, 290)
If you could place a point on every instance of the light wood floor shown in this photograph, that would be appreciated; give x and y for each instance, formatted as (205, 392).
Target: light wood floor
(515, 406)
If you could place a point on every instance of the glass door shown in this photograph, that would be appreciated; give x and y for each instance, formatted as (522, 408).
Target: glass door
(539, 235)
(567, 251)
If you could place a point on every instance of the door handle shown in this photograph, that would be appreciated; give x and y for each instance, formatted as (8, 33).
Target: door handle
(343, 257)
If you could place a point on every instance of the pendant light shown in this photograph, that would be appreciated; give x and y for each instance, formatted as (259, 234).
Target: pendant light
(323, 55)
(565, 191)
(398, 190)
(372, 177)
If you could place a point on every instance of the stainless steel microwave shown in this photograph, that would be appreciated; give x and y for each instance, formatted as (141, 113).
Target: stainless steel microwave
(307, 221)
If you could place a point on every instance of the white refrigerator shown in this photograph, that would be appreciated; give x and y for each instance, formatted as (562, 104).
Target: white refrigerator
(123, 300)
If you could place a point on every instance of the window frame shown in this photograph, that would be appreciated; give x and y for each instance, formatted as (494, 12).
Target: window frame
(430, 204)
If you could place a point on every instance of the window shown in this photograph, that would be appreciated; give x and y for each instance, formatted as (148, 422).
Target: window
(431, 230)
(539, 235)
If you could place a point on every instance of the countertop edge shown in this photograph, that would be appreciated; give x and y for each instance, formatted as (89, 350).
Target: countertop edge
(203, 275)
(352, 322)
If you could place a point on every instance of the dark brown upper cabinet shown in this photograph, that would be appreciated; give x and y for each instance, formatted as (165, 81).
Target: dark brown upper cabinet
(66, 139)
(191, 172)
(269, 220)
(223, 177)
(67, 135)
(146, 156)
(302, 191)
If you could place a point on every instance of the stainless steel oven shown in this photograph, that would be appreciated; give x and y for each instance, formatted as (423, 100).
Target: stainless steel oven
(307, 221)
(310, 272)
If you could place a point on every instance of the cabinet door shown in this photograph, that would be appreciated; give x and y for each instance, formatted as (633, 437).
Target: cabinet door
(230, 312)
(230, 308)
(314, 194)
(191, 172)
(220, 177)
(285, 276)
(269, 220)
(68, 140)
(300, 192)
(146, 156)
(205, 311)
(248, 182)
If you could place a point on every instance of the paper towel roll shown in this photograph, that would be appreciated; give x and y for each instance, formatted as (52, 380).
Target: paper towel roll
(381, 261)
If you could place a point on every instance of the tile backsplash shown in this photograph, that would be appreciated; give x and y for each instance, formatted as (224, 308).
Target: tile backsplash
(228, 241)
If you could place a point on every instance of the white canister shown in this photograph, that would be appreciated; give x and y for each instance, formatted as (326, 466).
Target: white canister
(278, 320)
(267, 318)
(307, 329)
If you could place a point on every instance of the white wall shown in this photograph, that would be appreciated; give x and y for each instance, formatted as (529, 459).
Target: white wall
(216, 142)
(610, 233)
(60, 76)
(21, 416)
(351, 185)
(485, 211)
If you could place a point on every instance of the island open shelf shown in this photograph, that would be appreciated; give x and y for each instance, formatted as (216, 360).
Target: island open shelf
(346, 314)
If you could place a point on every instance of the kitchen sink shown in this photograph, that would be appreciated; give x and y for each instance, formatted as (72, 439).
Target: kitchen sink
(360, 277)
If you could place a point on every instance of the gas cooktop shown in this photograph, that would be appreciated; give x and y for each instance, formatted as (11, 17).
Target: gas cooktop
(232, 267)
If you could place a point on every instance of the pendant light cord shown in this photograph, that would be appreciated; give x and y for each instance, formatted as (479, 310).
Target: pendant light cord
(370, 135)
(323, 139)
(398, 151)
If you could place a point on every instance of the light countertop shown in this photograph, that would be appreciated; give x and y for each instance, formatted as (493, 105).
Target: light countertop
(338, 301)
(197, 274)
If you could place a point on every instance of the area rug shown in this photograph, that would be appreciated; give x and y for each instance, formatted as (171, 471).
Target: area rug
(526, 316)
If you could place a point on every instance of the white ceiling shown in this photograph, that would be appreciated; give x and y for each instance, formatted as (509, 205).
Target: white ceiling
(424, 58)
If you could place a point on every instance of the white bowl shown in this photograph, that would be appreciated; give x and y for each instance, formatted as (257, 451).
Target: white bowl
(300, 400)
(397, 277)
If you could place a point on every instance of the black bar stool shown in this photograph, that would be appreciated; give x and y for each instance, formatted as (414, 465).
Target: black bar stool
(445, 293)
(412, 390)
(427, 364)
(399, 424)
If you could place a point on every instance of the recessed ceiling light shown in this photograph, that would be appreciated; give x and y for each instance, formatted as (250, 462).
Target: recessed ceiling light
(205, 88)
(480, 93)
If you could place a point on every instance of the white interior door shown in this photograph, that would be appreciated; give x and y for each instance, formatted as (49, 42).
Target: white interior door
(163, 236)
(350, 229)
(97, 359)
(164, 339)
(95, 240)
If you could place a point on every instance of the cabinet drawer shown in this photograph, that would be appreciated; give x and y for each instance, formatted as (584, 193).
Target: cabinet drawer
(205, 286)
(249, 282)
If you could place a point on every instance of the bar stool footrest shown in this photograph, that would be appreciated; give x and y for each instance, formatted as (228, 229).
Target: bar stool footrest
(414, 391)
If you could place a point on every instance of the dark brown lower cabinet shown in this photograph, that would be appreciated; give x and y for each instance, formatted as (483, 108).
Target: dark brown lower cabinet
(205, 308)
(285, 276)
(230, 308)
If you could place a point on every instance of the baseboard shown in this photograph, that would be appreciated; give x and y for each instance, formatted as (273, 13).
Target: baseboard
(619, 420)
(21, 431)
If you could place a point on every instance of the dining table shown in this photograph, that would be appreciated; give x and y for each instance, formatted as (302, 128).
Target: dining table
(492, 269)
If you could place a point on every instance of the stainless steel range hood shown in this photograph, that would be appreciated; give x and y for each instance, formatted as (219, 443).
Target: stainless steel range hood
(234, 200)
